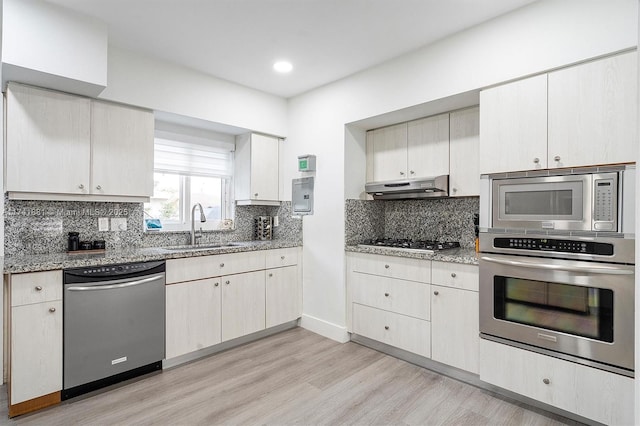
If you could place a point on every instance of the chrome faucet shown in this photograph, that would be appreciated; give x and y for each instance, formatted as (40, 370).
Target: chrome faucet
(193, 222)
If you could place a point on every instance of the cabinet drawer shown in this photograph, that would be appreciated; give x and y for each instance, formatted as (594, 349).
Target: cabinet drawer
(410, 334)
(403, 297)
(456, 275)
(282, 257)
(589, 392)
(395, 267)
(197, 268)
(36, 287)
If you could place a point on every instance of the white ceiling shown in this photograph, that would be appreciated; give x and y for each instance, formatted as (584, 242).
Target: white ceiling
(239, 40)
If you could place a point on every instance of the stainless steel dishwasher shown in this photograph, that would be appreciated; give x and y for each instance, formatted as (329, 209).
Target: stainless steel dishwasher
(114, 324)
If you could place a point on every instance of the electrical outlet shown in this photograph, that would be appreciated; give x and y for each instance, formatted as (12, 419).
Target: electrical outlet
(103, 224)
(118, 224)
(276, 221)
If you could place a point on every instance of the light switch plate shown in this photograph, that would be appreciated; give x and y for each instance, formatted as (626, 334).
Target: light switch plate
(118, 224)
(103, 224)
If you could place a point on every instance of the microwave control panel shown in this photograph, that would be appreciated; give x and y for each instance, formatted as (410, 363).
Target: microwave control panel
(549, 244)
(604, 204)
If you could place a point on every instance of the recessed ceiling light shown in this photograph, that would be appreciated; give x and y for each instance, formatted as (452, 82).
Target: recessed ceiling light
(283, 66)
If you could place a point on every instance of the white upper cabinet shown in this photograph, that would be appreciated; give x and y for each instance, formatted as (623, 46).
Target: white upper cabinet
(579, 116)
(419, 148)
(48, 144)
(60, 146)
(593, 112)
(464, 148)
(389, 153)
(513, 126)
(428, 146)
(122, 147)
(257, 169)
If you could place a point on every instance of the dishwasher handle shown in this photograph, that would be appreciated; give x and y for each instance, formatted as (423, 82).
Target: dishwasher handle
(116, 286)
(591, 269)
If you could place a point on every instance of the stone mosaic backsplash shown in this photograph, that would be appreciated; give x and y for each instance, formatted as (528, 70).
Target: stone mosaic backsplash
(444, 219)
(42, 227)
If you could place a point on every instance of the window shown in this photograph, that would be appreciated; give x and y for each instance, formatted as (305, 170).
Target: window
(191, 169)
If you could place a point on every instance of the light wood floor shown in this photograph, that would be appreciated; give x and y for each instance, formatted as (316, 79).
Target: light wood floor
(295, 377)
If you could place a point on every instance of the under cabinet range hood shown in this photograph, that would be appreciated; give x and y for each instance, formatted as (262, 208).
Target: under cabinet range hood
(405, 189)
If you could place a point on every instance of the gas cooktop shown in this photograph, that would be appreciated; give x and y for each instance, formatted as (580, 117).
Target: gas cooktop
(409, 244)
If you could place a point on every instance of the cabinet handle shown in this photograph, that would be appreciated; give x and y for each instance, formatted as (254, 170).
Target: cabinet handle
(255, 195)
(386, 327)
(386, 295)
(270, 275)
(227, 282)
(536, 160)
(436, 293)
(38, 288)
(412, 172)
(222, 265)
(453, 275)
(556, 158)
(52, 310)
(546, 381)
(281, 257)
(401, 173)
(386, 266)
(454, 189)
(81, 186)
(98, 187)
(216, 284)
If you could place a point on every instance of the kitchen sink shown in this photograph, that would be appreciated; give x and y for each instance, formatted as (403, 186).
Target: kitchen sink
(189, 247)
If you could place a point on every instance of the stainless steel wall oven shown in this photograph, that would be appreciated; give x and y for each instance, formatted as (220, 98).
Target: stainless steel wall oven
(565, 293)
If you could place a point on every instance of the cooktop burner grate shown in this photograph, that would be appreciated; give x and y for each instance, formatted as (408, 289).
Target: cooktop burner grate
(409, 244)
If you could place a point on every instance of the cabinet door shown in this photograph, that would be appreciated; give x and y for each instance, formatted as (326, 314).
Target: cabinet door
(193, 316)
(264, 168)
(243, 304)
(122, 150)
(593, 113)
(36, 350)
(282, 295)
(464, 149)
(513, 123)
(390, 153)
(428, 146)
(454, 327)
(48, 141)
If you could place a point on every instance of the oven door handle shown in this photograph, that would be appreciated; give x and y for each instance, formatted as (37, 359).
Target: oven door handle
(606, 270)
(116, 286)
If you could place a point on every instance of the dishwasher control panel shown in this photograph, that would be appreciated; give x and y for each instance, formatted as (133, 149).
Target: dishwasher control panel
(116, 271)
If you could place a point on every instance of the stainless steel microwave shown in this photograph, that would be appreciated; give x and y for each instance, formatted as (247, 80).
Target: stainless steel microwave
(592, 199)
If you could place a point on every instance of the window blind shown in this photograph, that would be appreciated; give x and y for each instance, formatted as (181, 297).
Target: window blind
(171, 156)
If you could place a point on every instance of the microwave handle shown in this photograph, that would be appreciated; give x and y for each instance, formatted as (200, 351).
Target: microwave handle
(591, 269)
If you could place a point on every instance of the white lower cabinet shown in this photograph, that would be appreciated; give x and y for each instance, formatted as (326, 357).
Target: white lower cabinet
(193, 316)
(243, 304)
(216, 298)
(454, 315)
(404, 332)
(595, 394)
(35, 342)
(282, 295)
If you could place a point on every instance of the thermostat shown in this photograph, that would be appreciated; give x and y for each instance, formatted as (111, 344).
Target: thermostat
(307, 163)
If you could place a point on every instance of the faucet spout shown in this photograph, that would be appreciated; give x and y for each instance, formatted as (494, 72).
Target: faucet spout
(203, 218)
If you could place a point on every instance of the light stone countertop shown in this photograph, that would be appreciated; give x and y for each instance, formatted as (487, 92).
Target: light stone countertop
(47, 262)
(461, 255)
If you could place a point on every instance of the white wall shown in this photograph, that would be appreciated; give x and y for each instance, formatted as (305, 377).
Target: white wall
(542, 36)
(163, 86)
(46, 45)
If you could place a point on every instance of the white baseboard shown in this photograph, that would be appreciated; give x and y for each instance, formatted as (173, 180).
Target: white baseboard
(325, 328)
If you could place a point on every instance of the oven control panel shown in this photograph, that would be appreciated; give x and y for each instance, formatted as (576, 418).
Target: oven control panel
(549, 244)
